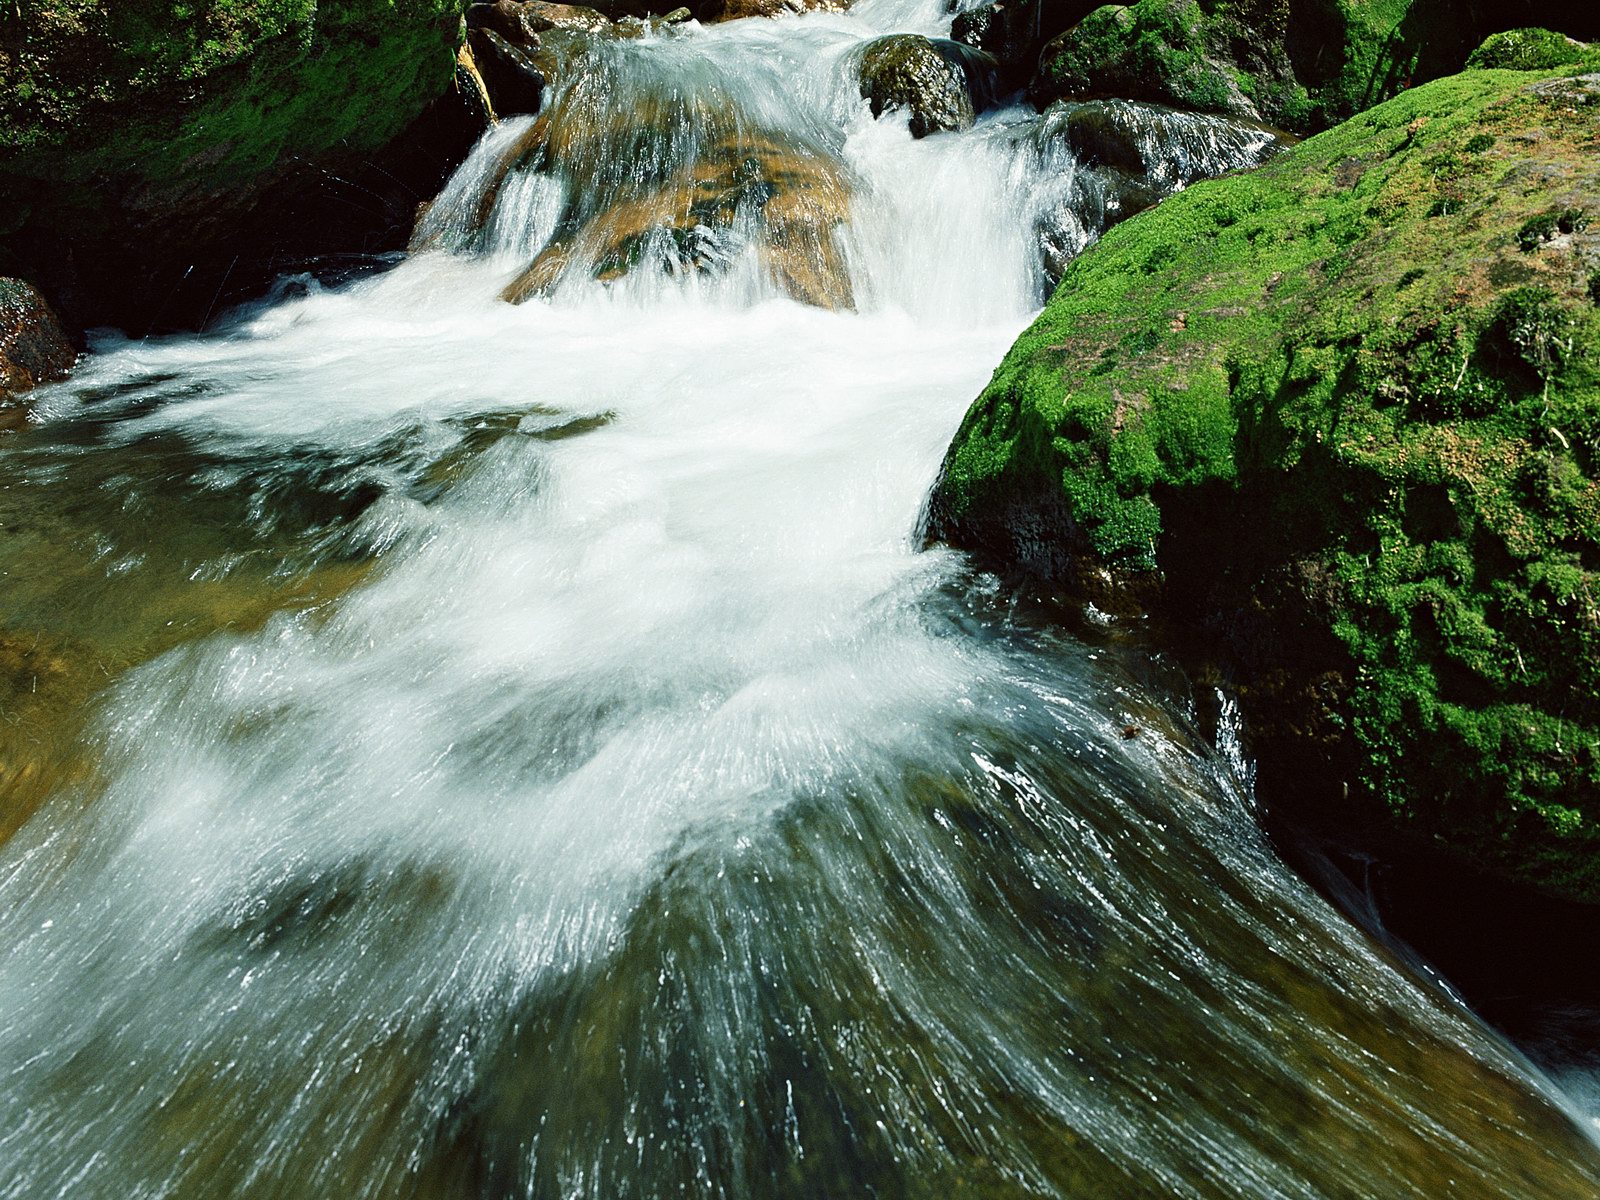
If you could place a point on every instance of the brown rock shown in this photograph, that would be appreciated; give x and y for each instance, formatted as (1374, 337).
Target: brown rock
(33, 346)
(541, 16)
(929, 76)
(795, 198)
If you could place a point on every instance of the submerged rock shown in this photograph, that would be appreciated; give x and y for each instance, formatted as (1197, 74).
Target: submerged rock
(941, 82)
(34, 348)
(1339, 419)
(751, 189)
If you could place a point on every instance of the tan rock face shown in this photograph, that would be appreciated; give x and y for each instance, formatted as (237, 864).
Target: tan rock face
(733, 10)
(33, 346)
(906, 70)
(787, 200)
(663, 179)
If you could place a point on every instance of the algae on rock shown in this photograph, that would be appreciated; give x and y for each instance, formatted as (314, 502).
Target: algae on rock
(1354, 418)
(140, 137)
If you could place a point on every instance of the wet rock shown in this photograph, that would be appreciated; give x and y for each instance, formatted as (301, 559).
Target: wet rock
(520, 22)
(656, 176)
(34, 348)
(938, 80)
(712, 11)
(512, 79)
(1117, 158)
(507, 18)
(473, 91)
(1171, 148)
(542, 17)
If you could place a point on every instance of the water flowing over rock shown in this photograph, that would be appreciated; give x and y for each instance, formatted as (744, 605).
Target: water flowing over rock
(933, 78)
(1122, 157)
(658, 176)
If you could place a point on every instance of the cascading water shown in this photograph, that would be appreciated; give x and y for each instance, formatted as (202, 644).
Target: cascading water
(539, 764)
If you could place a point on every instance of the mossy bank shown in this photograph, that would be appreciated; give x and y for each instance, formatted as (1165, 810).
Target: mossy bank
(137, 137)
(1340, 417)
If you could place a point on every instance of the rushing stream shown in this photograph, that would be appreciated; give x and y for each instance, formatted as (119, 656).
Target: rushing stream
(457, 748)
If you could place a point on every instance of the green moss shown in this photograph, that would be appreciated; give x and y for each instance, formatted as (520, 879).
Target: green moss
(1319, 364)
(167, 100)
(1528, 50)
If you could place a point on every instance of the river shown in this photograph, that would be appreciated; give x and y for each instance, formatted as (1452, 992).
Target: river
(470, 749)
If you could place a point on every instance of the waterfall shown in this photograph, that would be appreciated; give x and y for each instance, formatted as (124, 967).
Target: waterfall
(520, 751)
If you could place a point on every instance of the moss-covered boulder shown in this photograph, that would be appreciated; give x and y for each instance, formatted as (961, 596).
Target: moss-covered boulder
(138, 138)
(1341, 418)
(1300, 64)
(1014, 31)
(942, 83)
(1531, 50)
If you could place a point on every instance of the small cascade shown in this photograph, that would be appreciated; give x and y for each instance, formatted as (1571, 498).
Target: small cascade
(1116, 158)
(683, 166)
(745, 158)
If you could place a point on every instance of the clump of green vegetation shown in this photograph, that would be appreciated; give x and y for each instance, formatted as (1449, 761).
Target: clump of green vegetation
(1156, 50)
(1528, 50)
(1362, 444)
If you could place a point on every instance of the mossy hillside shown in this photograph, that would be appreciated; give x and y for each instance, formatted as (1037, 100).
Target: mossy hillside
(1370, 368)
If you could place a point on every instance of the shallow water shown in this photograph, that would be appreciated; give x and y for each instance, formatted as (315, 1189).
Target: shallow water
(513, 751)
